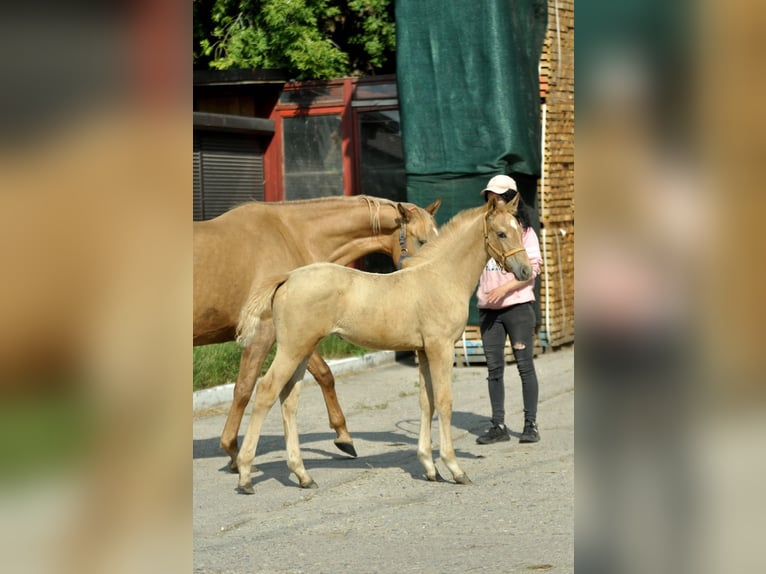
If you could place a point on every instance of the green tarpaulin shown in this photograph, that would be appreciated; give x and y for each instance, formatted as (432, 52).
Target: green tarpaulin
(469, 98)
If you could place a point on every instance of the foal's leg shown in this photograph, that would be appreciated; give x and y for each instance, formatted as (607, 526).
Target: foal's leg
(425, 454)
(321, 372)
(289, 400)
(279, 374)
(440, 359)
(249, 369)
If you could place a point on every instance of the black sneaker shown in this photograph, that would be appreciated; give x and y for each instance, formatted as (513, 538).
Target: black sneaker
(496, 433)
(530, 434)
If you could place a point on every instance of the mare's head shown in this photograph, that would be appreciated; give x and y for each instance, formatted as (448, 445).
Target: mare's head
(417, 227)
(503, 237)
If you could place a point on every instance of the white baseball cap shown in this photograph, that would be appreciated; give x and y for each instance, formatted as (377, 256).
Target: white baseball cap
(500, 184)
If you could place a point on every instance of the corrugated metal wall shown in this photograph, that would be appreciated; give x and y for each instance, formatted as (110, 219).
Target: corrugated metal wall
(228, 170)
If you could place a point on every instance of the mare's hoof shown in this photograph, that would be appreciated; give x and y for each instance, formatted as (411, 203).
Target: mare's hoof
(347, 447)
(246, 489)
(309, 484)
(463, 479)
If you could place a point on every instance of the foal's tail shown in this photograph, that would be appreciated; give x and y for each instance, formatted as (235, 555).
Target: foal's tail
(257, 307)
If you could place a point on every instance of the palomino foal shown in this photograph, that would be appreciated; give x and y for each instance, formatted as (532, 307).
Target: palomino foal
(314, 301)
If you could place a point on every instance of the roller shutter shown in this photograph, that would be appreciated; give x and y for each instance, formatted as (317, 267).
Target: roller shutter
(228, 170)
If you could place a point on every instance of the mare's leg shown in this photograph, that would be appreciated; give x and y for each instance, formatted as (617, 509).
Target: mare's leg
(249, 369)
(425, 454)
(289, 400)
(321, 372)
(440, 357)
(279, 374)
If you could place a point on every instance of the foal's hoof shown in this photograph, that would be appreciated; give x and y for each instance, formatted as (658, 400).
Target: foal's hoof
(436, 477)
(347, 447)
(309, 484)
(246, 489)
(463, 479)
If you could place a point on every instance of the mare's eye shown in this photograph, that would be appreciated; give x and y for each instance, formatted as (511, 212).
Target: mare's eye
(501, 234)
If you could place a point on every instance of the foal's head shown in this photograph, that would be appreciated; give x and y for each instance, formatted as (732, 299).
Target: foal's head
(503, 237)
(417, 227)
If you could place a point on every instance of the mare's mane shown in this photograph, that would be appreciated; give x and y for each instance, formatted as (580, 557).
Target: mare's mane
(326, 199)
(373, 205)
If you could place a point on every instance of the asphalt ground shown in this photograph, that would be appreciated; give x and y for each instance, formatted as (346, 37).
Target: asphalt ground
(376, 512)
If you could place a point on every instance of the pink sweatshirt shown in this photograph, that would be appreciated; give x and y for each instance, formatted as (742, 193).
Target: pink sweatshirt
(494, 276)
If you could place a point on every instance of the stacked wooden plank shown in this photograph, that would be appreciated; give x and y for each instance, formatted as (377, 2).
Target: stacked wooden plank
(557, 284)
(556, 198)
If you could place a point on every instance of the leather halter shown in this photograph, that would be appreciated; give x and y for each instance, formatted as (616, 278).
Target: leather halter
(494, 251)
(403, 253)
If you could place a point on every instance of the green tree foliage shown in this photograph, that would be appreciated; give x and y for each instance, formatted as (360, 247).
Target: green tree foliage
(310, 39)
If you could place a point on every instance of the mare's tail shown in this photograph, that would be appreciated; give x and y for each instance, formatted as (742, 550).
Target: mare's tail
(257, 307)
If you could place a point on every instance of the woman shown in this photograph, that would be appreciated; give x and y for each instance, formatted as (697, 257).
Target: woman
(506, 309)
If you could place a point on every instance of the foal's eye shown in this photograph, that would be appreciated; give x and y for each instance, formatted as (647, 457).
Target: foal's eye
(501, 234)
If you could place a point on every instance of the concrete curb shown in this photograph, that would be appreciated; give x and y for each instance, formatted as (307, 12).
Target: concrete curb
(213, 396)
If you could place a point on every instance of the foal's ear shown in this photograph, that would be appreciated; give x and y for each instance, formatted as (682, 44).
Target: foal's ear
(514, 204)
(434, 207)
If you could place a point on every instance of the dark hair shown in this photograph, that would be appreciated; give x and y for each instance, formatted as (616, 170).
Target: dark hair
(522, 214)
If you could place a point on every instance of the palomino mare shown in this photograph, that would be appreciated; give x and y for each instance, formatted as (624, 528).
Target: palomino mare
(256, 240)
(430, 297)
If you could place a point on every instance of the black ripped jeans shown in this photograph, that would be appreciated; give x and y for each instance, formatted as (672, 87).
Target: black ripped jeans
(518, 323)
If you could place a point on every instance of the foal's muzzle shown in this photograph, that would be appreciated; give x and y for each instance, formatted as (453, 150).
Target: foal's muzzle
(523, 273)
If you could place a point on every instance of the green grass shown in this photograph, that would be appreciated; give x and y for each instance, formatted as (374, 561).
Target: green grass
(44, 434)
(218, 364)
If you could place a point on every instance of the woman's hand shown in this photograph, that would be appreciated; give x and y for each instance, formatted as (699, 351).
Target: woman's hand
(499, 293)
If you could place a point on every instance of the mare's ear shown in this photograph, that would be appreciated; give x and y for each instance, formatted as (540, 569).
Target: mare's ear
(434, 207)
(404, 212)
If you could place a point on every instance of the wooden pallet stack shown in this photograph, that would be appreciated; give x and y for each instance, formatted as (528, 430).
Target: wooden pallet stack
(557, 284)
(556, 198)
